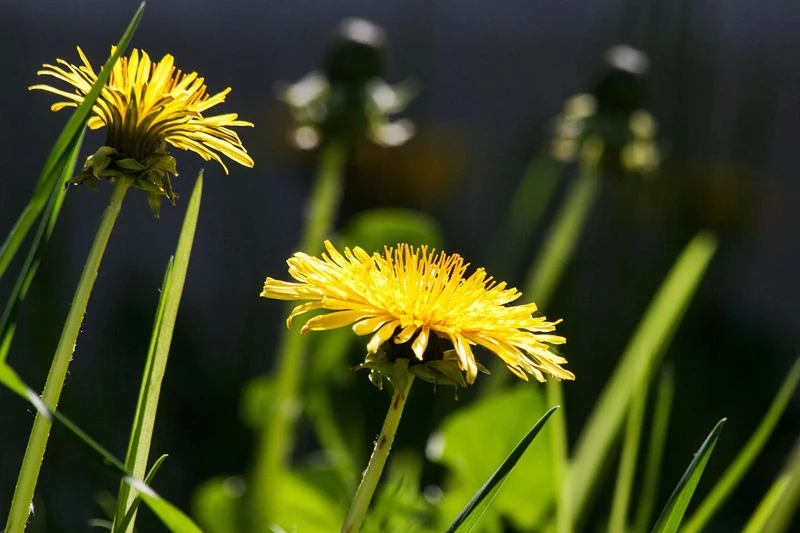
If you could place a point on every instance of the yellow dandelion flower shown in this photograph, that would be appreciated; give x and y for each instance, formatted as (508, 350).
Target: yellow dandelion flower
(407, 294)
(146, 105)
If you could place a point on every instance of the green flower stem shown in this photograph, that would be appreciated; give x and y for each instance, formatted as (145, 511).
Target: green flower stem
(34, 453)
(277, 435)
(360, 504)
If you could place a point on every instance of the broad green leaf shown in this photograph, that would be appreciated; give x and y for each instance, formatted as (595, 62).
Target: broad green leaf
(635, 368)
(734, 474)
(473, 440)
(59, 154)
(374, 229)
(474, 510)
(655, 450)
(217, 504)
(158, 354)
(672, 515)
(174, 519)
(303, 507)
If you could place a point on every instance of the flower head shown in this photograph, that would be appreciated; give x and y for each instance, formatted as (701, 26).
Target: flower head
(146, 105)
(416, 298)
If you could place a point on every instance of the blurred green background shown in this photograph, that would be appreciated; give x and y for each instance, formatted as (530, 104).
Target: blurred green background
(723, 85)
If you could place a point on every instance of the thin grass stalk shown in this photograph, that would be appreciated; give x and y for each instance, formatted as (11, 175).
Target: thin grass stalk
(34, 453)
(655, 451)
(158, 354)
(276, 440)
(736, 471)
(627, 465)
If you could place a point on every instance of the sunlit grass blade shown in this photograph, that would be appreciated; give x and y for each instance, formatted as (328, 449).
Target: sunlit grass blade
(158, 354)
(736, 471)
(775, 512)
(46, 225)
(471, 514)
(672, 515)
(175, 520)
(131, 513)
(59, 154)
(627, 465)
(655, 450)
(635, 368)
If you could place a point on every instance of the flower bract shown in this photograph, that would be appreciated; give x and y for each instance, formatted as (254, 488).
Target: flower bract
(406, 295)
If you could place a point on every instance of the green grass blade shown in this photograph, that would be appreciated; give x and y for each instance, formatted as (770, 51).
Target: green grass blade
(774, 513)
(137, 500)
(158, 354)
(46, 225)
(636, 367)
(59, 154)
(734, 474)
(175, 520)
(655, 450)
(471, 514)
(627, 465)
(672, 515)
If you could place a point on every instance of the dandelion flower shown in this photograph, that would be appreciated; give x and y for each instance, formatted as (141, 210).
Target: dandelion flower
(146, 105)
(413, 297)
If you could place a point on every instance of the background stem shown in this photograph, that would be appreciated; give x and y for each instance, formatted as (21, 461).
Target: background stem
(277, 434)
(34, 453)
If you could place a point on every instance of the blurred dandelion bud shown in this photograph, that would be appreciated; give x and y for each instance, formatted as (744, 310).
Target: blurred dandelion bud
(350, 100)
(613, 115)
(145, 106)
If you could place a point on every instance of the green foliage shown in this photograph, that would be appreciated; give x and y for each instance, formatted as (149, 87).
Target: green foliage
(376, 228)
(174, 519)
(158, 353)
(474, 440)
(469, 517)
(672, 515)
(59, 156)
(635, 368)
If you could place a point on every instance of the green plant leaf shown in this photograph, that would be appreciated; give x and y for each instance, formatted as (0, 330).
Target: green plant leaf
(131, 513)
(472, 513)
(736, 471)
(635, 368)
(158, 354)
(376, 228)
(672, 515)
(175, 520)
(8, 322)
(60, 153)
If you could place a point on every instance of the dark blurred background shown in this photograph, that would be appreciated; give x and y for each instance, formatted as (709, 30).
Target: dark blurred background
(724, 87)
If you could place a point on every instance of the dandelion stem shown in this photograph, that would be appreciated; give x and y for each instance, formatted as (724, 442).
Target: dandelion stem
(277, 435)
(360, 504)
(34, 453)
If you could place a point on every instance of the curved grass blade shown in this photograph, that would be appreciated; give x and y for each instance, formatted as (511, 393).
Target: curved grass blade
(8, 320)
(775, 512)
(468, 518)
(59, 154)
(635, 367)
(672, 515)
(174, 519)
(156, 366)
(736, 471)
